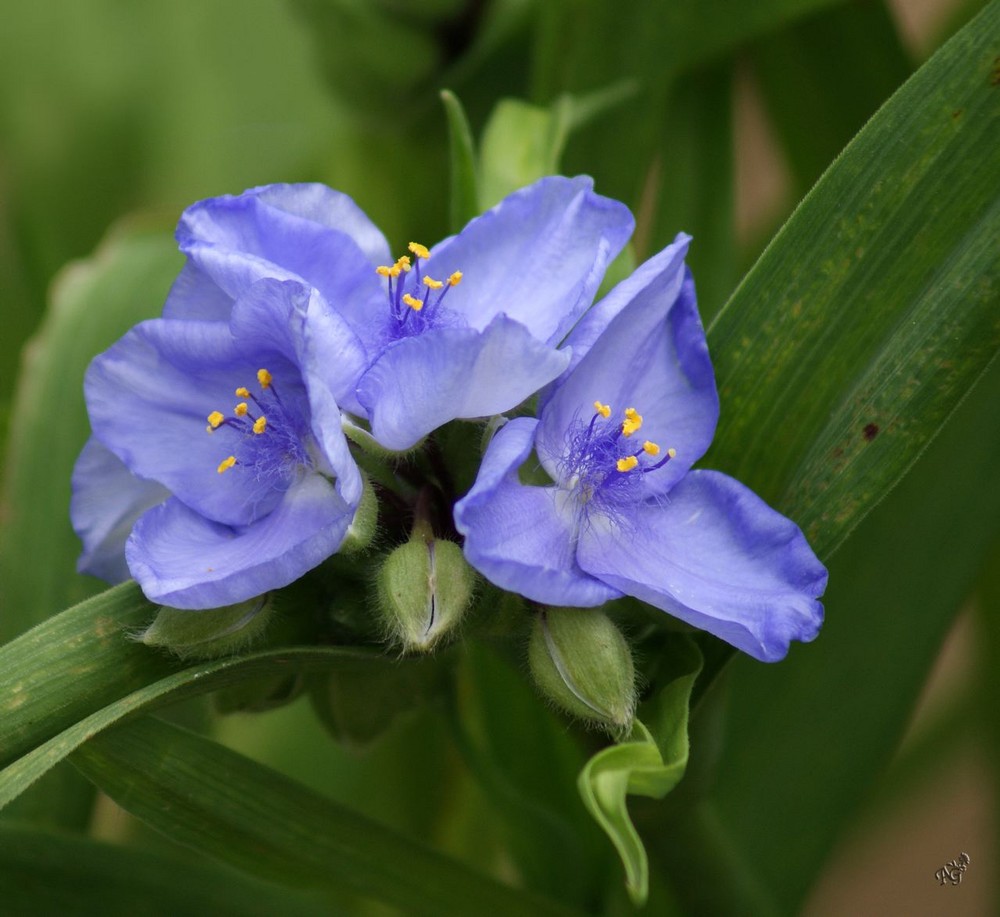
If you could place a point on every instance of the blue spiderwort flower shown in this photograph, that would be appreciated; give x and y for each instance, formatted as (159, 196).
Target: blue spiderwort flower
(624, 514)
(467, 329)
(218, 446)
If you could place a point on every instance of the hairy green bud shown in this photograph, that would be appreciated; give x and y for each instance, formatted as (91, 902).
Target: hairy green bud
(424, 589)
(212, 632)
(582, 663)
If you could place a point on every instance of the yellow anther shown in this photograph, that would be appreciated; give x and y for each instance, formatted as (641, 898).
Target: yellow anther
(242, 392)
(240, 409)
(650, 448)
(419, 250)
(384, 270)
(432, 283)
(215, 418)
(402, 264)
(627, 463)
(264, 378)
(260, 425)
(603, 409)
(455, 279)
(226, 464)
(415, 304)
(632, 422)
(672, 453)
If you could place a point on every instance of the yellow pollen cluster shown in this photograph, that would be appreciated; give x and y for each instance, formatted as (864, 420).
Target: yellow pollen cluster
(651, 448)
(415, 304)
(242, 409)
(632, 422)
(455, 279)
(432, 283)
(394, 270)
(672, 453)
(627, 463)
(419, 250)
(603, 409)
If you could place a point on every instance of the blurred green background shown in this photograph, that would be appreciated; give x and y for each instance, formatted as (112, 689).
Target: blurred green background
(712, 117)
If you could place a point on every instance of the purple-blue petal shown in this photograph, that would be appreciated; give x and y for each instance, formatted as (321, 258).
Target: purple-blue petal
(665, 270)
(718, 557)
(149, 396)
(282, 223)
(538, 256)
(422, 382)
(293, 320)
(107, 500)
(183, 560)
(308, 233)
(652, 356)
(523, 538)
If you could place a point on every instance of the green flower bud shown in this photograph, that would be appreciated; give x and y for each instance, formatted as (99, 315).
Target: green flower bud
(580, 661)
(258, 695)
(359, 703)
(209, 633)
(424, 589)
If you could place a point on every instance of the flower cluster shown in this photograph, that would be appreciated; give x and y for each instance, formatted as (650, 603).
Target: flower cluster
(224, 460)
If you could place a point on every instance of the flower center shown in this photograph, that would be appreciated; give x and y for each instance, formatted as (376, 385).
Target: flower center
(603, 464)
(267, 442)
(415, 297)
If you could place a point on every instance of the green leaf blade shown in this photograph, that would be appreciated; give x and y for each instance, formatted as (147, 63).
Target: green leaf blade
(875, 308)
(43, 872)
(92, 303)
(233, 809)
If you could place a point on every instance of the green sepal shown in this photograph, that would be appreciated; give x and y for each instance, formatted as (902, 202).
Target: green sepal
(362, 529)
(651, 763)
(582, 663)
(209, 633)
(522, 143)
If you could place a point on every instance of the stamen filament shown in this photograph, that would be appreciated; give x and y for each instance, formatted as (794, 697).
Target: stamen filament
(671, 453)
